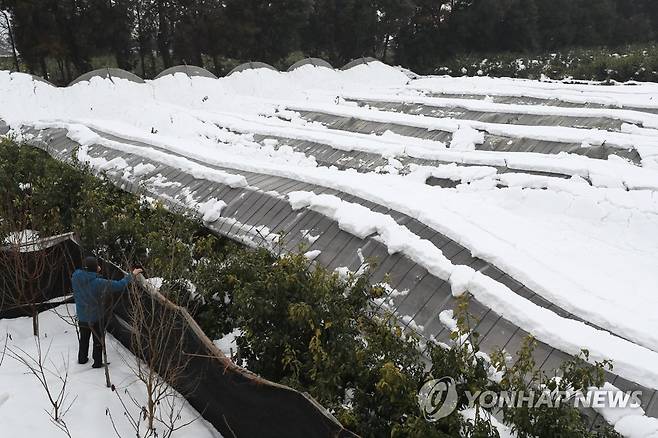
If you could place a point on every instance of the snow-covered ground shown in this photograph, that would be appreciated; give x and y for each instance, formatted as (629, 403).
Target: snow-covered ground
(24, 405)
(587, 242)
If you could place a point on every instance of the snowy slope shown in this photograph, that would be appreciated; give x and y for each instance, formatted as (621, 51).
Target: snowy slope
(20, 392)
(579, 230)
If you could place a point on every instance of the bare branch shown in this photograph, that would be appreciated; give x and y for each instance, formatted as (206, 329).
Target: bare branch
(35, 364)
(4, 348)
(229, 427)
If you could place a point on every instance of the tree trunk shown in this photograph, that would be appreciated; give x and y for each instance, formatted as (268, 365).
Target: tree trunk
(197, 41)
(60, 63)
(80, 62)
(35, 322)
(140, 39)
(44, 67)
(386, 41)
(106, 364)
(67, 67)
(215, 63)
(151, 406)
(10, 31)
(153, 61)
(163, 35)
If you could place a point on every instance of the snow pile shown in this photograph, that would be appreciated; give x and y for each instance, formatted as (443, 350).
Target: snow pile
(630, 422)
(142, 169)
(312, 255)
(211, 210)
(24, 240)
(465, 138)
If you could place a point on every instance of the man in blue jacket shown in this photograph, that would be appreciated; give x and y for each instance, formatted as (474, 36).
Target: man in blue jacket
(89, 288)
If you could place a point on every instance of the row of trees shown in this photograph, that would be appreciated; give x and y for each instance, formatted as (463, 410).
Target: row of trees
(65, 37)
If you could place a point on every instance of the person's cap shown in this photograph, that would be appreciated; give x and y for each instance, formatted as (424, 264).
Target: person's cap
(90, 264)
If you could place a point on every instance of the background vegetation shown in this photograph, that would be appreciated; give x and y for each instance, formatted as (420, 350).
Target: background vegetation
(636, 62)
(60, 39)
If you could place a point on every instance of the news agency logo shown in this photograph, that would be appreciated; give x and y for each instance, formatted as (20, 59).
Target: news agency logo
(438, 399)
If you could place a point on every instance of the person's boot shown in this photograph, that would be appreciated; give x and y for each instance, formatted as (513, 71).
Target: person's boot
(97, 350)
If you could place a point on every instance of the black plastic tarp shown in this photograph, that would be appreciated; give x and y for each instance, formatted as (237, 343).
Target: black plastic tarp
(34, 275)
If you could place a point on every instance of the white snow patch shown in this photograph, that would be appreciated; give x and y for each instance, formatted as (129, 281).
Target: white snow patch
(465, 138)
(142, 169)
(22, 395)
(228, 343)
(312, 255)
(211, 210)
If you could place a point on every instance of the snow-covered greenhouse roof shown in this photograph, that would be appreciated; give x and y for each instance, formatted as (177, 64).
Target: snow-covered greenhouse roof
(108, 73)
(189, 70)
(317, 62)
(358, 61)
(251, 66)
(537, 198)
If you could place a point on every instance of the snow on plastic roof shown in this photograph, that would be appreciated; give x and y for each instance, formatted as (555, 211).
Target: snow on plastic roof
(312, 61)
(251, 66)
(189, 70)
(545, 210)
(108, 73)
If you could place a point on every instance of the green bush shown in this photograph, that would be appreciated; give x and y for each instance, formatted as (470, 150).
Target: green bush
(318, 332)
(41, 191)
(627, 63)
(118, 226)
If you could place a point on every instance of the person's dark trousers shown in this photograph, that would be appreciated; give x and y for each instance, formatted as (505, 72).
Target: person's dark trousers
(91, 330)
